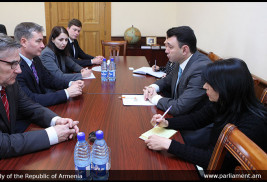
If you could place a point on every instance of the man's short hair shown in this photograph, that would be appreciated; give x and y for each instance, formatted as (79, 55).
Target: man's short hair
(185, 36)
(75, 22)
(25, 29)
(7, 43)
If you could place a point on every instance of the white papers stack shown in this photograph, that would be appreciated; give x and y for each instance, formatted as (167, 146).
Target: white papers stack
(135, 100)
(90, 77)
(97, 68)
(149, 71)
(145, 47)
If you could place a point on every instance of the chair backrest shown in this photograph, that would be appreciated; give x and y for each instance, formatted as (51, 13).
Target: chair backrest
(256, 81)
(213, 57)
(263, 98)
(114, 47)
(202, 51)
(252, 158)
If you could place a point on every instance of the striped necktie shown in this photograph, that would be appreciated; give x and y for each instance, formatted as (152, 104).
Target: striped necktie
(35, 73)
(179, 75)
(5, 102)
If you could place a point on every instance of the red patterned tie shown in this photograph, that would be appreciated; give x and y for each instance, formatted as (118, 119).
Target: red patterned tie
(5, 101)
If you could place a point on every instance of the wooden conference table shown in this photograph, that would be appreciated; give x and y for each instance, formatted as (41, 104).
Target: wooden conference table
(100, 108)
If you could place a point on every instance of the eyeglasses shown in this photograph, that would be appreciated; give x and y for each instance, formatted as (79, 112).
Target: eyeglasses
(13, 64)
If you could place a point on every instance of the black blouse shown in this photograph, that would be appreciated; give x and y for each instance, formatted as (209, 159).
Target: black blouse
(251, 125)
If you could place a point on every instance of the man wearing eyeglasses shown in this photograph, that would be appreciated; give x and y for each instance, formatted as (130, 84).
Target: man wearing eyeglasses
(35, 80)
(15, 104)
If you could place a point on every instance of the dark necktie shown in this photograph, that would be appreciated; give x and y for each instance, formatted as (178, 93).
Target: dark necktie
(35, 73)
(5, 101)
(73, 48)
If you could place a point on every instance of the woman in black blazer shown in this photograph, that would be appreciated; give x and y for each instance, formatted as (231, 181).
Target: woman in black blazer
(229, 86)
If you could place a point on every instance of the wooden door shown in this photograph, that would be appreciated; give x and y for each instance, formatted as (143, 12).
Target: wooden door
(95, 18)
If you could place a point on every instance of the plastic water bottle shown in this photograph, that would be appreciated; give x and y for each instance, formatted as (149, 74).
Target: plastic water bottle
(112, 71)
(104, 70)
(82, 157)
(100, 158)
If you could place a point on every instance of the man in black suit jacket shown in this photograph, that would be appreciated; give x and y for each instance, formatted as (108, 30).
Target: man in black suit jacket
(74, 28)
(3, 29)
(45, 89)
(14, 104)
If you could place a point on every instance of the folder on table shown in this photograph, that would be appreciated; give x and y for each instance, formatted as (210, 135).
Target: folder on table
(149, 71)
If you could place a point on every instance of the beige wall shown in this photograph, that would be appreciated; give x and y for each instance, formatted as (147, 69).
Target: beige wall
(13, 13)
(150, 18)
(230, 29)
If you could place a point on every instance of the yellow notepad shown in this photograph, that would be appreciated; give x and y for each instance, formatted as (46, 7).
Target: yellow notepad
(163, 132)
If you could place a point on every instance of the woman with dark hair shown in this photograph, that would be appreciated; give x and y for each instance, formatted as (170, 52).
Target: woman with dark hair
(229, 86)
(55, 57)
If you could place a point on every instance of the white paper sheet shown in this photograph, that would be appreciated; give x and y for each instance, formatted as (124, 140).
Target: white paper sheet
(90, 77)
(97, 68)
(135, 100)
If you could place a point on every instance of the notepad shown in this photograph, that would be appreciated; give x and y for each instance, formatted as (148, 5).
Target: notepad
(90, 77)
(135, 100)
(149, 71)
(160, 131)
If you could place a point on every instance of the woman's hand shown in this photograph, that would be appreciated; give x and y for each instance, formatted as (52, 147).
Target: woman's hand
(155, 142)
(161, 122)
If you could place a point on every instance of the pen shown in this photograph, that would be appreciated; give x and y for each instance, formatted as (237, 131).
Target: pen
(127, 98)
(163, 115)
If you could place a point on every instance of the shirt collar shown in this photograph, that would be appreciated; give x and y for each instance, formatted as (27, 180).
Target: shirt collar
(70, 40)
(183, 65)
(28, 61)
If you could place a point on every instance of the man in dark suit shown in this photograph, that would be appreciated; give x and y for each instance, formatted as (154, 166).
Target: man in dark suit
(184, 82)
(3, 29)
(14, 104)
(78, 55)
(35, 80)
